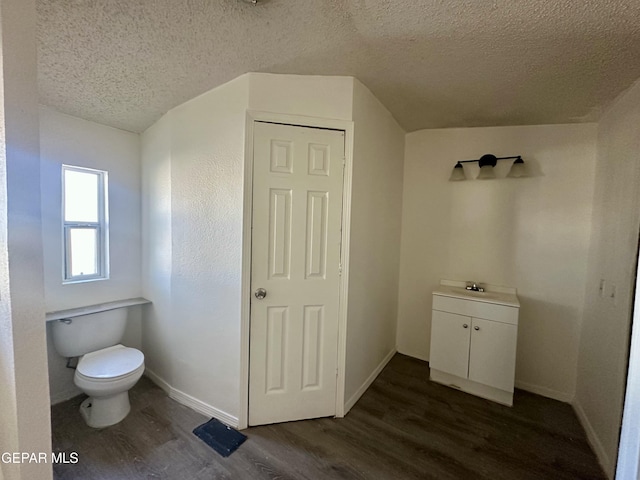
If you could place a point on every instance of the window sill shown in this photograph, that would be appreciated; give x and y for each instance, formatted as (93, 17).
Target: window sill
(83, 280)
(89, 309)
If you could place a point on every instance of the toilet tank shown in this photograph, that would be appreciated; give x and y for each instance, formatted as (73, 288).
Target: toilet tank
(89, 333)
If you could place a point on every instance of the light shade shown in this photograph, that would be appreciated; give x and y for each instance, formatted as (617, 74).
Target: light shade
(518, 169)
(457, 174)
(486, 173)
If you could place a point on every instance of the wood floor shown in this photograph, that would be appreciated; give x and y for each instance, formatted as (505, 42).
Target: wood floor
(403, 427)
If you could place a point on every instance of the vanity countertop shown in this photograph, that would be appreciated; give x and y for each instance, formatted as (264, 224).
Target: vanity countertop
(488, 296)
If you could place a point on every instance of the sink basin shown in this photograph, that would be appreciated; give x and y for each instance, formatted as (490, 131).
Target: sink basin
(473, 293)
(463, 292)
(486, 296)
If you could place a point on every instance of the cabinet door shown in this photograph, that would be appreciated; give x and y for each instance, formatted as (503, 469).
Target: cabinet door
(450, 343)
(492, 357)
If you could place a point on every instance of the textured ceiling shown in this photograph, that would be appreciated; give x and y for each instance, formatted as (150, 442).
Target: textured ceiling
(433, 63)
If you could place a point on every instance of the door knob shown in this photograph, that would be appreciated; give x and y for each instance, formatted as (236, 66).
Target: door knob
(260, 293)
(476, 328)
(465, 326)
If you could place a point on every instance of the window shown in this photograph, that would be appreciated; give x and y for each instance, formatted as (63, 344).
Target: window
(84, 214)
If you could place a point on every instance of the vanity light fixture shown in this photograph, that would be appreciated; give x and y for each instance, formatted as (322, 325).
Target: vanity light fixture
(486, 163)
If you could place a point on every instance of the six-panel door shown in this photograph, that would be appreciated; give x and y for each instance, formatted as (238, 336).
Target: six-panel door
(450, 335)
(297, 209)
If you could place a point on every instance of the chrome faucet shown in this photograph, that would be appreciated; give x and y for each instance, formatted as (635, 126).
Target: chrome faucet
(474, 287)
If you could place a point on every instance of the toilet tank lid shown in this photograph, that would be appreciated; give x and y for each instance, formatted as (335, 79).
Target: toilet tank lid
(110, 362)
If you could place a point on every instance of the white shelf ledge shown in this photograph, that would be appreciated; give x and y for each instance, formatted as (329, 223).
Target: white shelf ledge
(100, 307)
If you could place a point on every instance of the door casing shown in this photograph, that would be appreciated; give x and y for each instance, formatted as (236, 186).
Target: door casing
(302, 121)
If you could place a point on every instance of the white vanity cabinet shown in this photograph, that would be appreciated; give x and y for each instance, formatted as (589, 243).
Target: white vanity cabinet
(473, 341)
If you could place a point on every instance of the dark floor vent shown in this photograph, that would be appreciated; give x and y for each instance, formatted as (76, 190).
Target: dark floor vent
(223, 439)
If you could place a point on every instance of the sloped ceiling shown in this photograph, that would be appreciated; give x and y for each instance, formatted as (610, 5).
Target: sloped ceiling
(433, 63)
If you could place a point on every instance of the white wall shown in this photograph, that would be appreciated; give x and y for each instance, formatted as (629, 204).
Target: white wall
(529, 233)
(193, 189)
(376, 211)
(158, 324)
(69, 140)
(73, 141)
(614, 243)
(24, 407)
(311, 96)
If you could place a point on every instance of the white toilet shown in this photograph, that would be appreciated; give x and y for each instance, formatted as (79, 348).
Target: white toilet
(106, 370)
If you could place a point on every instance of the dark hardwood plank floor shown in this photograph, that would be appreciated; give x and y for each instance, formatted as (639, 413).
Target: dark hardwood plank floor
(403, 427)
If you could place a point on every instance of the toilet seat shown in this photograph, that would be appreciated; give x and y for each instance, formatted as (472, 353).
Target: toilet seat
(110, 363)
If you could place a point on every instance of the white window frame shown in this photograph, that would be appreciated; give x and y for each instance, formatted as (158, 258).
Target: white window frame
(101, 227)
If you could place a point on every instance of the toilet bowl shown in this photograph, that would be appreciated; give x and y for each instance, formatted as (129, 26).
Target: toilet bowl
(106, 370)
(106, 376)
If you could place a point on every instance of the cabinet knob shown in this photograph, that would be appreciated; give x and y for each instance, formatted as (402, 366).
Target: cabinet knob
(465, 326)
(476, 328)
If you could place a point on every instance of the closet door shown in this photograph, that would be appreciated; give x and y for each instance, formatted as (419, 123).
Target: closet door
(295, 272)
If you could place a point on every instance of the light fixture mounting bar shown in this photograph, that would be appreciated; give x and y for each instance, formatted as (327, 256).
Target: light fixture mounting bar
(513, 157)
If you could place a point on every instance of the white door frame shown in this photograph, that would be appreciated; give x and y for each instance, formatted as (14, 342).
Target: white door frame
(302, 121)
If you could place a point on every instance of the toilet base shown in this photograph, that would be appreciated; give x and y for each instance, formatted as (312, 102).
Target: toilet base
(100, 412)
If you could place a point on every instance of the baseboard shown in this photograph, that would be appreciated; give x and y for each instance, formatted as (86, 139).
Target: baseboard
(60, 397)
(413, 355)
(603, 458)
(545, 392)
(204, 408)
(367, 383)
(157, 380)
(192, 402)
